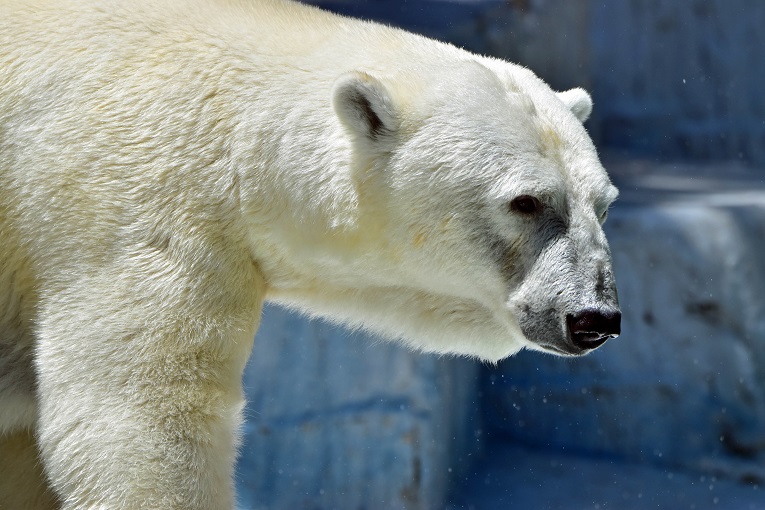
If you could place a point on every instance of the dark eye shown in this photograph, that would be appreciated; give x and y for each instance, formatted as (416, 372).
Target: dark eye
(526, 204)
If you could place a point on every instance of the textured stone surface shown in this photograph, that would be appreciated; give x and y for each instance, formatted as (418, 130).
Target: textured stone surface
(685, 383)
(681, 78)
(342, 421)
(529, 479)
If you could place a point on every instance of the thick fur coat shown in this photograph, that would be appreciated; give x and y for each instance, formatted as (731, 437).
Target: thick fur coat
(166, 166)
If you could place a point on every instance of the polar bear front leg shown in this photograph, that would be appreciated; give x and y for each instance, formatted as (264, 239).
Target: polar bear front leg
(139, 408)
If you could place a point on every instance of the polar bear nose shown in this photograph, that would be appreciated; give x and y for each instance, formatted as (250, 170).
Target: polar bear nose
(591, 328)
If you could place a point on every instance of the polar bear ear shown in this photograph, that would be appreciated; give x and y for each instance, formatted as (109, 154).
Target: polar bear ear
(364, 105)
(578, 101)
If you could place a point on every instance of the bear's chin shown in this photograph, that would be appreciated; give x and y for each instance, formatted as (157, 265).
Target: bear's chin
(566, 348)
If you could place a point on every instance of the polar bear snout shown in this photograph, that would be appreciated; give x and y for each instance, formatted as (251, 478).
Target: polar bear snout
(591, 328)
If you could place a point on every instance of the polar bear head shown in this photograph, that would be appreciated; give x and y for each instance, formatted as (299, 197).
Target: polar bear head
(479, 201)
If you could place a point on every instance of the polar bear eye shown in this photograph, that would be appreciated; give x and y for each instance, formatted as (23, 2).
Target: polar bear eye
(525, 204)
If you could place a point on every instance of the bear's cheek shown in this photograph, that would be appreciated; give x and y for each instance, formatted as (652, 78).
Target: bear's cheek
(542, 326)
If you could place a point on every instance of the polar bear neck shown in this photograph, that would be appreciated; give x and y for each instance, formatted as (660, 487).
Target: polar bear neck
(306, 200)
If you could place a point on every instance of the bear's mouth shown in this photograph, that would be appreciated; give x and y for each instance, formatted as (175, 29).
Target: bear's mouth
(590, 341)
(570, 349)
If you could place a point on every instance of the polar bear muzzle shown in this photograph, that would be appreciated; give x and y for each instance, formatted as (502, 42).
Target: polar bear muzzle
(567, 303)
(580, 333)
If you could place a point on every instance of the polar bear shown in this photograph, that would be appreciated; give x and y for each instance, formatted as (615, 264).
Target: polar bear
(166, 166)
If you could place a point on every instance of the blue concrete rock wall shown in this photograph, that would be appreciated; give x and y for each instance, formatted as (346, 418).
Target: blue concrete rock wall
(681, 78)
(336, 420)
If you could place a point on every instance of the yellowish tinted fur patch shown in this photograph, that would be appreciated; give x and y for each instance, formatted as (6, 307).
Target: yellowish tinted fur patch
(550, 144)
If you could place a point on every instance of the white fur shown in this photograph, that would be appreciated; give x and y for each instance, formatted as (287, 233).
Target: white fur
(578, 101)
(165, 167)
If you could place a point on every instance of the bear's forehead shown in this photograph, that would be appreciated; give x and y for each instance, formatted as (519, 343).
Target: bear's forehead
(564, 160)
(565, 147)
(498, 143)
(500, 126)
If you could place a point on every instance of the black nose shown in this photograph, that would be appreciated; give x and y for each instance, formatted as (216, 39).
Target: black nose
(591, 328)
